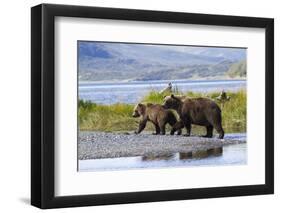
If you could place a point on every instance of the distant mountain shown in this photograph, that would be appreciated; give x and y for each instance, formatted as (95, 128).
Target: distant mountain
(238, 69)
(121, 61)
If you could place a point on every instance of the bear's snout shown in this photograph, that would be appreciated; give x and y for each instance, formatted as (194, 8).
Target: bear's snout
(164, 106)
(135, 114)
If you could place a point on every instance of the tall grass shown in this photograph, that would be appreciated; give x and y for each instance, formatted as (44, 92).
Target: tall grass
(234, 112)
(118, 117)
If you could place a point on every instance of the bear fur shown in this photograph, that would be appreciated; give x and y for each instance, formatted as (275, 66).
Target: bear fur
(198, 111)
(156, 114)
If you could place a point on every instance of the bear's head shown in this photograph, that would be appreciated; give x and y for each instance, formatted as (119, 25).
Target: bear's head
(172, 102)
(139, 110)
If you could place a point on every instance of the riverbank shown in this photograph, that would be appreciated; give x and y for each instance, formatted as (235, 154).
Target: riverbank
(97, 145)
(118, 117)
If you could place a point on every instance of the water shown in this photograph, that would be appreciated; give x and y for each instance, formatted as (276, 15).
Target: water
(221, 156)
(133, 92)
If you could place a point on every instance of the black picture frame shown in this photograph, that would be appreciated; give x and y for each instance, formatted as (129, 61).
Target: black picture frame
(43, 102)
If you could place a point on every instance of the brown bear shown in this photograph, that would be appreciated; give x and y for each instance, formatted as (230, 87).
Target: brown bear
(156, 114)
(199, 111)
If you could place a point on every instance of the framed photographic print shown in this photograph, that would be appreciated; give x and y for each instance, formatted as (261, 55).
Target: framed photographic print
(139, 106)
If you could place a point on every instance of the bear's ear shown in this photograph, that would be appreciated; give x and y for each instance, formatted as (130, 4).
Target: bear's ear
(141, 108)
(175, 98)
(166, 97)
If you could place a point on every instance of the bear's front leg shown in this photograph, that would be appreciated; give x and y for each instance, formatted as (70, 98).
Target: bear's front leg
(142, 125)
(188, 128)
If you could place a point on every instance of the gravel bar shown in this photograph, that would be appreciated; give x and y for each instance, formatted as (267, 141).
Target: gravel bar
(95, 145)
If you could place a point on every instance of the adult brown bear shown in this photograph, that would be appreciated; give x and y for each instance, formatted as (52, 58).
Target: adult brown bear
(199, 111)
(156, 114)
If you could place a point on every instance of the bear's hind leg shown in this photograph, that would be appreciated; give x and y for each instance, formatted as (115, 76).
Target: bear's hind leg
(220, 131)
(162, 126)
(215, 119)
(177, 127)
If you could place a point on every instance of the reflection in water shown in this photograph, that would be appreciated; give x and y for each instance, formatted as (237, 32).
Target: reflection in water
(228, 155)
(198, 154)
(152, 157)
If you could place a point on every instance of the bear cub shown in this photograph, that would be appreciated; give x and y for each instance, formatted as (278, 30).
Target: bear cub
(156, 114)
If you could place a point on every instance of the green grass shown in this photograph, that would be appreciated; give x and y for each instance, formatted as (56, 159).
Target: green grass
(118, 117)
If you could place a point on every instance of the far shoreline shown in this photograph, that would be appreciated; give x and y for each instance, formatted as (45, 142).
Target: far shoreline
(160, 81)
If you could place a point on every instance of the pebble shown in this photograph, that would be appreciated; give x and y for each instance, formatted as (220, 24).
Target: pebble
(95, 145)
